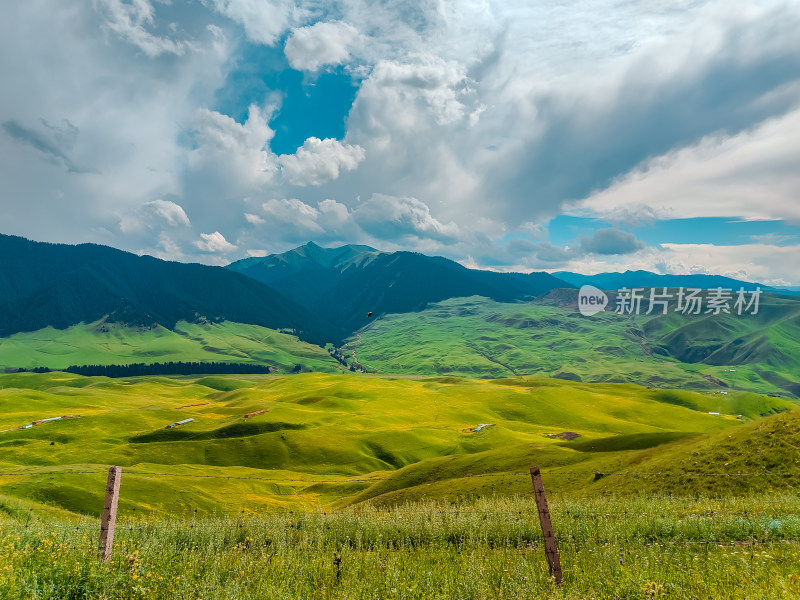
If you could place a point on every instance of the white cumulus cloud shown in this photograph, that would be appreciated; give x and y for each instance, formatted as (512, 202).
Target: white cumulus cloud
(381, 220)
(318, 161)
(214, 242)
(253, 219)
(423, 81)
(171, 212)
(264, 21)
(764, 263)
(392, 218)
(131, 20)
(293, 211)
(237, 154)
(321, 44)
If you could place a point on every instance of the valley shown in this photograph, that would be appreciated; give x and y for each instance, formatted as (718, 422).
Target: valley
(349, 300)
(353, 307)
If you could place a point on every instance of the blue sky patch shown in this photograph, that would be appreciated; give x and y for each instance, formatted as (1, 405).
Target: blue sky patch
(310, 104)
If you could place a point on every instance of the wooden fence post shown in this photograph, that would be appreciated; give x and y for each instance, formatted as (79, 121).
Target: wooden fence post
(550, 546)
(109, 518)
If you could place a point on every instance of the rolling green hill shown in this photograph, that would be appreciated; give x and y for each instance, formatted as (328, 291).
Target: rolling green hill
(473, 337)
(104, 343)
(477, 337)
(754, 459)
(319, 440)
(758, 449)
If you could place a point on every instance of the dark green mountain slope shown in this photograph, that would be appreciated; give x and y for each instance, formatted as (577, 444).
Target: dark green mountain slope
(61, 285)
(304, 260)
(342, 285)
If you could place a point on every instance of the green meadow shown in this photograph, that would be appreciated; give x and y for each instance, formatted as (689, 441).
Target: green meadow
(314, 441)
(362, 486)
(103, 343)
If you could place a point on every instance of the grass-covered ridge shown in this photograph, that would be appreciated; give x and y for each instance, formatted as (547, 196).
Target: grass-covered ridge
(477, 337)
(316, 440)
(103, 343)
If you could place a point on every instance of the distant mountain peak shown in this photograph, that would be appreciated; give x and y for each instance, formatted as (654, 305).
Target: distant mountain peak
(346, 285)
(311, 255)
(314, 247)
(641, 278)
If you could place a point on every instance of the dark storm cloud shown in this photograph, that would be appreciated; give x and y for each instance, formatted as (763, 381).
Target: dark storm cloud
(611, 241)
(586, 145)
(52, 141)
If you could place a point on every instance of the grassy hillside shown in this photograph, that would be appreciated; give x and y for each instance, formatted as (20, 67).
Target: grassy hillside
(758, 458)
(103, 343)
(478, 337)
(319, 439)
(765, 446)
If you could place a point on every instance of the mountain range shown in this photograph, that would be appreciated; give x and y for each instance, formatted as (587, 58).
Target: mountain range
(390, 312)
(646, 279)
(60, 285)
(322, 294)
(342, 286)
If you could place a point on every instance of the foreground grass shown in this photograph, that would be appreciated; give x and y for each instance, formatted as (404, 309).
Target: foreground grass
(611, 548)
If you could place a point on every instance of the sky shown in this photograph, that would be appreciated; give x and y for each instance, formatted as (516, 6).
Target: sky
(589, 136)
